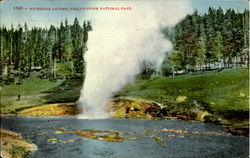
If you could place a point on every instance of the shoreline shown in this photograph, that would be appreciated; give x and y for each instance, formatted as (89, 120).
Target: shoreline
(125, 108)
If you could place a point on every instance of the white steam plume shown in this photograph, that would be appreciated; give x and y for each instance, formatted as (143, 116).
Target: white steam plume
(118, 45)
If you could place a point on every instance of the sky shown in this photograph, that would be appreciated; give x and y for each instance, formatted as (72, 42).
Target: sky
(46, 18)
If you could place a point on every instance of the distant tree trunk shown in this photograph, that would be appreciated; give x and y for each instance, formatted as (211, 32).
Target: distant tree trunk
(234, 61)
(245, 58)
(224, 64)
(218, 63)
(173, 70)
(55, 55)
(29, 66)
(241, 60)
(54, 68)
(244, 30)
(247, 61)
(11, 53)
(72, 67)
(2, 62)
(50, 62)
(5, 70)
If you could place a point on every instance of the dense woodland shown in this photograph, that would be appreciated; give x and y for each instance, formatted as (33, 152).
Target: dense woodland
(40, 49)
(217, 39)
(214, 40)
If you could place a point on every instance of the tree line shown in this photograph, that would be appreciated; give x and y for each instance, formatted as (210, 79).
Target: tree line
(215, 39)
(25, 50)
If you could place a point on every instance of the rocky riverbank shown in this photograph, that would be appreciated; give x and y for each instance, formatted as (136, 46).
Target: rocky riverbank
(143, 109)
(13, 145)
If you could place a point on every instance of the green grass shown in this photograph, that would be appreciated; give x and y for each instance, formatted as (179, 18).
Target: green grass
(64, 68)
(67, 92)
(222, 92)
(36, 92)
(18, 152)
(31, 94)
(29, 86)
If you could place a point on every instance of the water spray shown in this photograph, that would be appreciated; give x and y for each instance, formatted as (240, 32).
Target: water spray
(119, 44)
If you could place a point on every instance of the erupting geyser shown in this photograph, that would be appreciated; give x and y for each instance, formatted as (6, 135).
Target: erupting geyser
(119, 44)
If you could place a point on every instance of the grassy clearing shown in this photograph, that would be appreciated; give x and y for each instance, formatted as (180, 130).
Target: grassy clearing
(36, 92)
(10, 104)
(221, 97)
(29, 86)
(224, 92)
(30, 91)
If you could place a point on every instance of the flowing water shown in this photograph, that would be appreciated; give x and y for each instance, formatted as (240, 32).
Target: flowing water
(138, 138)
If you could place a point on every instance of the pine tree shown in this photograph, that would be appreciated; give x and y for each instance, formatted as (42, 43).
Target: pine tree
(200, 52)
(218, 48)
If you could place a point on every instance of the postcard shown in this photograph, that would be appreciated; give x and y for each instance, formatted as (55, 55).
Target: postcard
(124, 78)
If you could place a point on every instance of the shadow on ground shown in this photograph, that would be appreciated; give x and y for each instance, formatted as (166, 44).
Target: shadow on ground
(67, 92)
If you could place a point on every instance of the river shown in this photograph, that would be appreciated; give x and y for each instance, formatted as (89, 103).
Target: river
(146, 138)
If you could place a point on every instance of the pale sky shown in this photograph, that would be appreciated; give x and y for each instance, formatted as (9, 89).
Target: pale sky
(46, 18)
